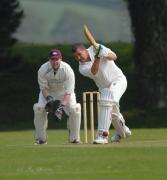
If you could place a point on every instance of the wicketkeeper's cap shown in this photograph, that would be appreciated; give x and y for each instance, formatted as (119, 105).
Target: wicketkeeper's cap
(55, 53)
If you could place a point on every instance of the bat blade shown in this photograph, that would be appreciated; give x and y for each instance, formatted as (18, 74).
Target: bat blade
(89, 37)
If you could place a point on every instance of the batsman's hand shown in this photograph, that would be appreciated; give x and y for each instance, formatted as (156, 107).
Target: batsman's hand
(97, 55)
(59, 112)
(49, 104)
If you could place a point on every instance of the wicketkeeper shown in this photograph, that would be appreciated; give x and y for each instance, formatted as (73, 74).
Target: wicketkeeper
(56, 81)
(98, 64)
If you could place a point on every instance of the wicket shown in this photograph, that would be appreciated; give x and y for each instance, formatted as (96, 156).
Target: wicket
(90, 103)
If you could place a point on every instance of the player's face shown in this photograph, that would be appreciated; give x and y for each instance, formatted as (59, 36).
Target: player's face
(81, 55)
(55, 63)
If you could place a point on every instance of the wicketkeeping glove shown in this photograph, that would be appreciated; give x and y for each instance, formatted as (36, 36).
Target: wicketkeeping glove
(59, 112)
(49, 104)
(98, 51)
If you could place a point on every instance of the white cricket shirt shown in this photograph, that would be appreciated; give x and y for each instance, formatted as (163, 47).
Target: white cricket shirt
(62, 81)
(108, 70)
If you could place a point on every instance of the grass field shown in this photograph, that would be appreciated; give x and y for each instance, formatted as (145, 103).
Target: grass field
(142, 156)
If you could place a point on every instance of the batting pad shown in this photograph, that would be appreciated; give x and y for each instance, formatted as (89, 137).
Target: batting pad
(74, 122)
(40, 122)
(105, 104)
(118, 121)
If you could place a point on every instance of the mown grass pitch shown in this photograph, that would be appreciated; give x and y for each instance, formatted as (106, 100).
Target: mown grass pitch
(142, 156)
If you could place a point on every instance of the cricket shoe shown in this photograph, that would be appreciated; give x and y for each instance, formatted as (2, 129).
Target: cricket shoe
(39, 142)
(101, 140)
(116, 138)
(76, 142)
(127, 131)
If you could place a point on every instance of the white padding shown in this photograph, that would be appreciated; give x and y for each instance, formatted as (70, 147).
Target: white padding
(40, 122)
(118, 121)
(106, 97)
(105, 104)
(74, 122)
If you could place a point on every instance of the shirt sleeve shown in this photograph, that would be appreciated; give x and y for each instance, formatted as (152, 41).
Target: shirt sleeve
(42, 81)
(85, 70)
(69, 83)
(105, 51)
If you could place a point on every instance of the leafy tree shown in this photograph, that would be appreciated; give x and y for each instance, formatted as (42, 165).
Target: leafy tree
(10, 19)
(149, 25)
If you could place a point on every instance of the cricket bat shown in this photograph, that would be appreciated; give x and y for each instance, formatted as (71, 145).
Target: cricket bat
(89, 37)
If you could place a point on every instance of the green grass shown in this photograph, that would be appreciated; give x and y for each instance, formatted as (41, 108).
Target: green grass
(141, 156)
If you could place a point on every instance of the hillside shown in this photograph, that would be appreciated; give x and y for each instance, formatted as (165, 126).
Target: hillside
(55, 21)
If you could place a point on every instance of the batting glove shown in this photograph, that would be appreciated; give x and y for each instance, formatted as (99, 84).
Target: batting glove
(59, 112)
(49, 104)
(98, 51)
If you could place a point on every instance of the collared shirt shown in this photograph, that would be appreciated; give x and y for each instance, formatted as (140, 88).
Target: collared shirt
(61, 81)
(108, 70)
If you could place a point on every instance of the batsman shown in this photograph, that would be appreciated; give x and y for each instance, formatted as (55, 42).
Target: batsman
(97, 63)
(56, 81)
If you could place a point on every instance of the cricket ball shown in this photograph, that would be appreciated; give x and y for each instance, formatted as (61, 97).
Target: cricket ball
(105, 133)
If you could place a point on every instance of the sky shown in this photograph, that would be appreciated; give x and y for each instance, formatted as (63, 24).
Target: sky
(61, 21)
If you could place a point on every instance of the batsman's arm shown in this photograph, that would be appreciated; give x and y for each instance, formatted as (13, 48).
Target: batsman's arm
(107, 54)
(102, 53)
(95, 66)
(111, 56)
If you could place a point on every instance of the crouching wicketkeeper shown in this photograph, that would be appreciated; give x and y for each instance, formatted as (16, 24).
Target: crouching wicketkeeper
(56, 81)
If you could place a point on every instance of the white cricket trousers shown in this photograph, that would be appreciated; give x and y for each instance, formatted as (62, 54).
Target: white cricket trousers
(72, 109)
(109, 105)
